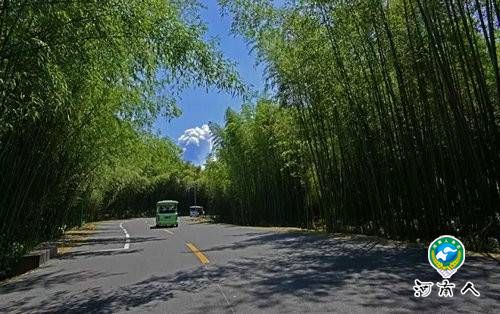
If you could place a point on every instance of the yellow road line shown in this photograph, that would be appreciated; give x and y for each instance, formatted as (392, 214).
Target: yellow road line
(203, 259)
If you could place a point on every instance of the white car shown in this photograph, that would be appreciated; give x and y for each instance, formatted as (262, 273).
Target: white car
(195, 211)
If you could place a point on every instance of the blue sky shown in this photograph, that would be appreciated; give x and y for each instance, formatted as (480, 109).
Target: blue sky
(199, 106)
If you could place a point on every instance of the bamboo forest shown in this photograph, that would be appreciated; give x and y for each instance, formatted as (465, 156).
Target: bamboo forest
(379, 117)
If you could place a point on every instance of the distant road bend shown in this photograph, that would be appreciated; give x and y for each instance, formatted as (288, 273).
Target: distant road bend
(126, 266)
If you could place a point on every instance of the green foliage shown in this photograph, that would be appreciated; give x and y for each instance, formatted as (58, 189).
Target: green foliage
(79, 85)
(386, 120)
(397, 103)
(255, 178)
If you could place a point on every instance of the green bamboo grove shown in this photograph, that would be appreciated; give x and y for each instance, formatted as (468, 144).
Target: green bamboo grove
(396, 115)
(79, 85)
(255, 178)
(383, 116)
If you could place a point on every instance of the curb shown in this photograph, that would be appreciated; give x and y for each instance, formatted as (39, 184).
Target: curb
(29, 262)
(51, 247)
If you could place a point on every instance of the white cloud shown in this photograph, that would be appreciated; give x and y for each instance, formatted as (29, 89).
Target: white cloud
(196, 144)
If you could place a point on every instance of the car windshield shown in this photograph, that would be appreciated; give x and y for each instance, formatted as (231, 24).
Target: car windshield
(167, 209)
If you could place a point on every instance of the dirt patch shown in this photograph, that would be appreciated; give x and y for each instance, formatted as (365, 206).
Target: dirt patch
(72, 237)
(200, 220)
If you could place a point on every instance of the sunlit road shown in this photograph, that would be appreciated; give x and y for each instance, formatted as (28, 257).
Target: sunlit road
(200, 268)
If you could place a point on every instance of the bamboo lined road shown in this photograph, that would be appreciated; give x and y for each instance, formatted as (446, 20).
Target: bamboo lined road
(127, 266)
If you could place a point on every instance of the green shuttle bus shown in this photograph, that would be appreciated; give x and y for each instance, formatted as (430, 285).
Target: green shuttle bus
(166, 213)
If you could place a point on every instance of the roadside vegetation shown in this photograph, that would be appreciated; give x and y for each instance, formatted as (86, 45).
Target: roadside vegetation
(385, 121)
(384, 118)
(80, 87)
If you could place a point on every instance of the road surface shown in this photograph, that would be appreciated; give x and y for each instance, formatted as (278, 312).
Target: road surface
(126, 266)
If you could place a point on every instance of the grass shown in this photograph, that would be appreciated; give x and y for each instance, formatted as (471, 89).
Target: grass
(73, 236)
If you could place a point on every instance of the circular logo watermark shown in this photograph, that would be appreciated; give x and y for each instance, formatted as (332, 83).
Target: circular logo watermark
(446, 255)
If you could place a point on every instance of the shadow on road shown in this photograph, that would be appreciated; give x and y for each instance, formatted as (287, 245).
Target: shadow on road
(48, 280)
(334, 271)
(110, 252)
(113, 240)
(291, 273)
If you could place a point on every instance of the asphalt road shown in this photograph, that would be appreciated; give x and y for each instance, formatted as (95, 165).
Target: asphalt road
(215, 268)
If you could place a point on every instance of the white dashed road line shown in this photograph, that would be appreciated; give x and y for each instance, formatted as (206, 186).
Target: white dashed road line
(127, 236)
(126, 246)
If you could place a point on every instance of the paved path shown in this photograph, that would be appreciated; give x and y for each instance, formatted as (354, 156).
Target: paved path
(207, 268)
